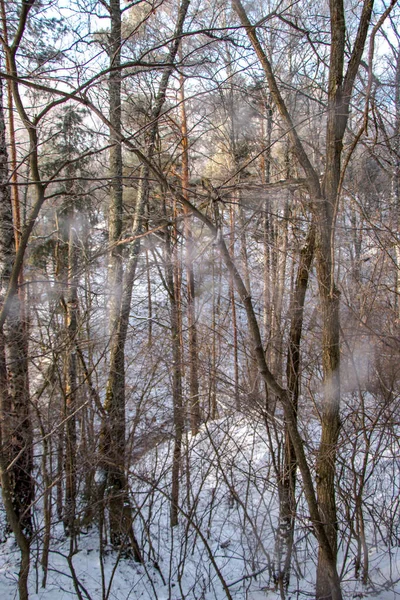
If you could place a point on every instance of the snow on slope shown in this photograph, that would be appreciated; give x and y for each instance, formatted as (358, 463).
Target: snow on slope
(223, 546)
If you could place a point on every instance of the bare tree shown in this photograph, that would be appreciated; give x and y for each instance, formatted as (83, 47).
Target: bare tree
(15, 431)
(324, 202)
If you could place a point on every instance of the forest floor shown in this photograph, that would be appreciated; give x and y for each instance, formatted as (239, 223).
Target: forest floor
(223, 546)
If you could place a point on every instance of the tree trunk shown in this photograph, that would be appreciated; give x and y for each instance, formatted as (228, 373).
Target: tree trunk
(215, 345)
(234, 316)
(176, 381)
(287, 483)
(112, 438)
(395, 151)
(113, 448)
(194, 401)
(15, 430)
(71, 380)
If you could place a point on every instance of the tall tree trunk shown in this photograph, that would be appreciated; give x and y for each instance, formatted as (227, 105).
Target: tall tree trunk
(15, 431)
(113, 448)
(194, 402)
(237, 213)
(234, 316)
(396, 181)
(71, 379)
(13, 145)
(15, 331)
(266, 134)
(280, 241)
(177, 398)
(287, 483)
(330, 412)
(113, 430)
(215, 345)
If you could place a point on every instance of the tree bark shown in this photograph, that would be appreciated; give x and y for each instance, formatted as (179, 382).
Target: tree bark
(71, 380)
(15, 430)
(113, 430)
(287, 483)
(178, 409)
(112, 437)
(194, 397)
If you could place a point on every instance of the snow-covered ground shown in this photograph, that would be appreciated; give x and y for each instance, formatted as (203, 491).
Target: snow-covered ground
(224, 544)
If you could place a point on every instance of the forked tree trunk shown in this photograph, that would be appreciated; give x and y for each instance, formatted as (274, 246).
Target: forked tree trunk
(324, 203)
(282, 394)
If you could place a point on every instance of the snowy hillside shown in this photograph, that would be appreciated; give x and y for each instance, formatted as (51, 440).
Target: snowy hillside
(224, 545)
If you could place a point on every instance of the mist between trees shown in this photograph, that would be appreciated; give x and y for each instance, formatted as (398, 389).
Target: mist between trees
(200, 299)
